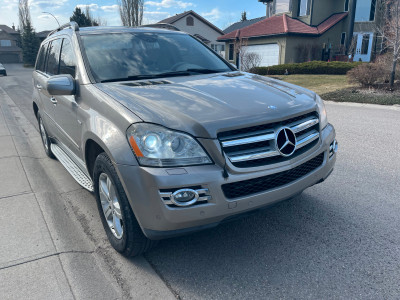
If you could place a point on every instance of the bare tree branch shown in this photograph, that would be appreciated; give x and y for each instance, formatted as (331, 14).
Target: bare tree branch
(23, 13)
(131, 12)
(389, 30)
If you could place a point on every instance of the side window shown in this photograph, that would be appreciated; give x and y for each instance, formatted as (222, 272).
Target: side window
(53, 59)
(67, 59)
(41, 58)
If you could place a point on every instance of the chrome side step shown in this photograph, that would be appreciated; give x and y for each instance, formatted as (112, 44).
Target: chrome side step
(72, 168)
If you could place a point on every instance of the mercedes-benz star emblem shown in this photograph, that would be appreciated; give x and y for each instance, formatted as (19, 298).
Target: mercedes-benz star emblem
(286, 142)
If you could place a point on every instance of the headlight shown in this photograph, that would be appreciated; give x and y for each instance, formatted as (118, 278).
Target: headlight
(156, 146)
(322, 112)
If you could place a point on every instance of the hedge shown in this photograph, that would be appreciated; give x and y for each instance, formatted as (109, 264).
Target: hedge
(313, 67)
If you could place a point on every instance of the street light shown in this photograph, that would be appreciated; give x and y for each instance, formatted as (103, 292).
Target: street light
(45, 12)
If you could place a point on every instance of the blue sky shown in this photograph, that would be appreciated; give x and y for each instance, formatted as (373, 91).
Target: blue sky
(222, 13)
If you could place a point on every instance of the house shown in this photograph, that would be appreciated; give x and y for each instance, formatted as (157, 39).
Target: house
(10, 52)
(196, 25)
(303, 30)
(42, 35)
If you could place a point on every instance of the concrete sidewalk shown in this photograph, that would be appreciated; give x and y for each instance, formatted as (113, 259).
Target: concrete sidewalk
(52, 245)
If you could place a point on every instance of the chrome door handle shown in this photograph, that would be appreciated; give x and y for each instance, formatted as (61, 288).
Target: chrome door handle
(53, 100)
(38, 86)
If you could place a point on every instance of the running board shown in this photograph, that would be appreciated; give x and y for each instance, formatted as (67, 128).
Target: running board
(72, 168)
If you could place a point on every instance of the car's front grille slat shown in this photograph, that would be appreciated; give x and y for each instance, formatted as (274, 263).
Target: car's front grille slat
(256, 146)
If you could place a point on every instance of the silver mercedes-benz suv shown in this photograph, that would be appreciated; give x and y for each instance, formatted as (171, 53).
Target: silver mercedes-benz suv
(169, 136)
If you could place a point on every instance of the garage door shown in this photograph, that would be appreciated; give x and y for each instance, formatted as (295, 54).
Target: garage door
(9, 58)
(269, 53)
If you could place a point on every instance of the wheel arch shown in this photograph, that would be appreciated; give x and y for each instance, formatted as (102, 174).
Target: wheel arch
(35, 108)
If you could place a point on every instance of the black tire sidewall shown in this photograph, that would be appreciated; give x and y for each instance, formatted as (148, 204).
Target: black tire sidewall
(48, 150)
(132, 235)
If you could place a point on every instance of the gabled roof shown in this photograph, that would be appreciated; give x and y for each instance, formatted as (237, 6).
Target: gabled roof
(7, 29)
(281, 25)
(242, 24)
(173, 19)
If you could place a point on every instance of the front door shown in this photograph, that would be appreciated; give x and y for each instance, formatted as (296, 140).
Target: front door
(363, 48)
(66, 107)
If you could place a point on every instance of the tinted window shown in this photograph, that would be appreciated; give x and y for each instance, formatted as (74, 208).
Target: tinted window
(41, 58)
(53, 59)
(123, 55)
(67, 59)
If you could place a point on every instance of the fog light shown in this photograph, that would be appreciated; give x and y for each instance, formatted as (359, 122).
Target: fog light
(184, 197)
(333, 148)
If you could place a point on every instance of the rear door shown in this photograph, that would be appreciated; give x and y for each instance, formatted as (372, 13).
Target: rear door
(40, 77)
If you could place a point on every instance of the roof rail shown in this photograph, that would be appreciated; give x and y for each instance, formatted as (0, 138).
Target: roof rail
(73, 25)
(162, 26)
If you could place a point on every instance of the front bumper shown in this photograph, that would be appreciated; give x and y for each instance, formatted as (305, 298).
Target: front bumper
(142, 186)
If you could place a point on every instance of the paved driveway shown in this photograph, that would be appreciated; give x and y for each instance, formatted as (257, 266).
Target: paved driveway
(338, 240)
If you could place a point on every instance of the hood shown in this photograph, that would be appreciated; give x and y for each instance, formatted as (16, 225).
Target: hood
(204, 105)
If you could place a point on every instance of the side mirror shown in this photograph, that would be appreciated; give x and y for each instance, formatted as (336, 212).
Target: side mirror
(62, 85)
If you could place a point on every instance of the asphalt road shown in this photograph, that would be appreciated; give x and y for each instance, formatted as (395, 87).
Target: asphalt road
(338, 240)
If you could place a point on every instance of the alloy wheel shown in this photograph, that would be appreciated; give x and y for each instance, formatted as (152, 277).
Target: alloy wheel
(111, 206)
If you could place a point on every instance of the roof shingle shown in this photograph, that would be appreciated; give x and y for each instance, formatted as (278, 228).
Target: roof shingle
(283, 24)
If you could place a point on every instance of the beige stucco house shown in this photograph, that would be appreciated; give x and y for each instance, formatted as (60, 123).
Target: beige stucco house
(303, 30)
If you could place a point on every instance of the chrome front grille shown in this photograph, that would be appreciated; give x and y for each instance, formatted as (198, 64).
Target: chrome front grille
(256, 146)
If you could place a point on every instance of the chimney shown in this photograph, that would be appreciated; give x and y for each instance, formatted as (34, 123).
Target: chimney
(13, 26)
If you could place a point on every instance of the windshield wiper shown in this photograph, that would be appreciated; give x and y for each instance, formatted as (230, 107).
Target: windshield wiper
(162, 75)
(150, 76)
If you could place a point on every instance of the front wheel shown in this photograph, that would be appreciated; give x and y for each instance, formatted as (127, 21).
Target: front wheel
(122, 229)
(45, 138)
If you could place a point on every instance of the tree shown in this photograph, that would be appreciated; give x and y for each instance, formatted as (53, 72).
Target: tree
(24, 14)
(244, 16)
(79, 17)
(389, 29)
(90, 17)
(250, 60)
(28, 40)
(30, 44)
(131, 12)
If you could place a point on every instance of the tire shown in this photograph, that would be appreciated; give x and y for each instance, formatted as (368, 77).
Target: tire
(45, 138)
(123, 232)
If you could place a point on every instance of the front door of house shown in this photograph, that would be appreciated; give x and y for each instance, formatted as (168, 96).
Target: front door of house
(363, 49)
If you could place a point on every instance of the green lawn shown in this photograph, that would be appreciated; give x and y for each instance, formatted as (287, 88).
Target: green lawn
(320, 84)
(336, 88)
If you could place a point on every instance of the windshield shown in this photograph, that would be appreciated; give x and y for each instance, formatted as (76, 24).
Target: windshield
(134, 56)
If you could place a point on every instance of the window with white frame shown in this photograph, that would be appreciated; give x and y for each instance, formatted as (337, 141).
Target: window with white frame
(5, 43)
